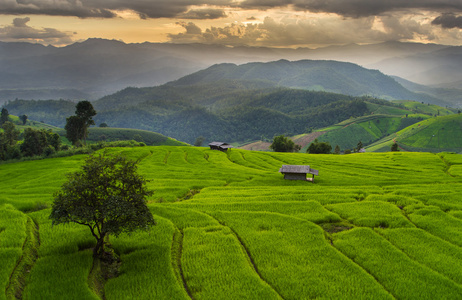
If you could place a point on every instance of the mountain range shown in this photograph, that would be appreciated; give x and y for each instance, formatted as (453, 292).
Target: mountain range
(241, 103)
(97, 67)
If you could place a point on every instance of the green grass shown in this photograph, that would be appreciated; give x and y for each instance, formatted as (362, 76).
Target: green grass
(403, 277)
(146, 271)
(61, 275)
(438, 223)
(372, 226)
(293, 256)
(308, 210)
(371, 214)
(13, 227)
(214, 260)
(421, 246)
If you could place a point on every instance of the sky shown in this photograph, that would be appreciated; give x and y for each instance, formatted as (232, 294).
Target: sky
(262, 23)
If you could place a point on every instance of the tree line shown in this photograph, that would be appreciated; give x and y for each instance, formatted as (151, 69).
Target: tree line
(282, 143)
(15, 144)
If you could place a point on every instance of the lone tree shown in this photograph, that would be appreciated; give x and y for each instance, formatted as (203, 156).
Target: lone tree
(107, 195)
(282, 143)
(394, 147)
(77, 126)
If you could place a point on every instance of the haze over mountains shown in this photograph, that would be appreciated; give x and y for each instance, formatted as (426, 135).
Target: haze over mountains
(241, 103)
(97, 67)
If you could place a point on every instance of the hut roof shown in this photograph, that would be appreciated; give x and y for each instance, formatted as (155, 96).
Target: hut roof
(226, 146)
(218, 144)
(302, 169)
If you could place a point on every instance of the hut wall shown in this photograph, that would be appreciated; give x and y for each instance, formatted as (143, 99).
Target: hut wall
(295, 176)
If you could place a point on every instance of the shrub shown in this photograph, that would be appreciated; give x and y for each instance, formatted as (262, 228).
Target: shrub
(49, 150)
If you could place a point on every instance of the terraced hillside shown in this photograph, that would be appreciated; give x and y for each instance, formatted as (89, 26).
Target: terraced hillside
(372, 226)
(433, 135)
(386, 124)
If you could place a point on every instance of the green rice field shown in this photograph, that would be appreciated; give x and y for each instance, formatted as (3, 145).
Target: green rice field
(371, 226)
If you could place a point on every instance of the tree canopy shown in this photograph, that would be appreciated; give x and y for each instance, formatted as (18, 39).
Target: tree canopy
(8, 142)
(23, 118)
(317, 147)
(85, 111)
(77, 126)
(107, 195)
(4, 116)
(74, 129)
(282, 143)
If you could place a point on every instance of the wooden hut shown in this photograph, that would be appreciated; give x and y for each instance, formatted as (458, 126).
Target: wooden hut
(220, 146)
(298, 172)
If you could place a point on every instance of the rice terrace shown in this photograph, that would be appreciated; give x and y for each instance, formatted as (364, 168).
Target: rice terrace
(372, 226)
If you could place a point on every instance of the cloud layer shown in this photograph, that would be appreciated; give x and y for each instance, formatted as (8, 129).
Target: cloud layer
(20, 31)
(108, 9)
(357, 8)
(288, 23)
(293, 32)
(176, 8)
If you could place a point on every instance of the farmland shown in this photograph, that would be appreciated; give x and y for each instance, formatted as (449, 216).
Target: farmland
(372, 226)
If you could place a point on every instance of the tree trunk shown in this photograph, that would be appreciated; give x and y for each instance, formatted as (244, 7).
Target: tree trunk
(99, 248)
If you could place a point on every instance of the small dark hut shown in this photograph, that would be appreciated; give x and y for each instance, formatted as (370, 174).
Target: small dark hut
(297, 172)
(220, 146)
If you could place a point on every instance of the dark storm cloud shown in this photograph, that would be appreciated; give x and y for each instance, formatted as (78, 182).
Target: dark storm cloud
(448, 20)
(106, 8)
(357, 8)
(182, 8)
(203, 14)
(54, 8)
(20, 31)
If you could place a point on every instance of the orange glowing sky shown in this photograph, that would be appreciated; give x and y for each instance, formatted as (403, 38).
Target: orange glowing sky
(270, 23)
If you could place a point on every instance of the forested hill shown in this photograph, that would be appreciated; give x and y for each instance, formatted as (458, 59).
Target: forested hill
(242, 115)
(321, 75)
(239, 103)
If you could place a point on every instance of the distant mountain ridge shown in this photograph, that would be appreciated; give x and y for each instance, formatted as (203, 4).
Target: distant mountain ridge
(241, 102)
(331, 76)
(97, 67)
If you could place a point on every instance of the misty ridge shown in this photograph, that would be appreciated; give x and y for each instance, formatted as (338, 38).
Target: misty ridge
(97, 67)
(242, 103)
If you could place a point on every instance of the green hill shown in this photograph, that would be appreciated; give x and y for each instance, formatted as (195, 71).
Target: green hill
(378, 130)
(432, 135)
(216, 111)
(241, 103)
(108, 134)
(234, 111)
(367, 129)
(122, 134)
(372, 226)
(428, 109)
(321, 75)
